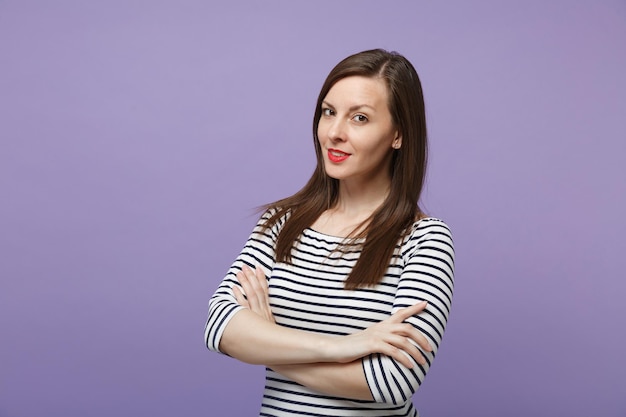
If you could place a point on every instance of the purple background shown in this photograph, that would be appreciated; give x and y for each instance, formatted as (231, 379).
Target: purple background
(138, 136)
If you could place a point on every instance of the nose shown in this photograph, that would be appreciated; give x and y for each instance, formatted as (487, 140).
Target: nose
(336, 130)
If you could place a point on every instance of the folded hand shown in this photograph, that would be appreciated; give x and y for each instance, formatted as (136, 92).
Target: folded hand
(255, 295)
(392, 337)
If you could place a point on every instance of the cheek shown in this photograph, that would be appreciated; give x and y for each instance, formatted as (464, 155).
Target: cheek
(321, 132)
(382, 148)
(320, 136)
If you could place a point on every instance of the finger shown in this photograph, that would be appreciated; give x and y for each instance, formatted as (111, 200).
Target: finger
(246, 287)
(406, 312)
(256, 295)
(407, 349)
(250, 288)
(419, 338)
(247, 271)
(414, 352)
(264, 286)
(257, 292)
(397, 354)
(243, 280)
(255, 288)
(241, 299)
(260, 275)
(257, 277)
(251, 275)
(409, 331)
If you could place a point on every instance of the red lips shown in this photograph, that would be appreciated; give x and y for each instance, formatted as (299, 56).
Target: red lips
(337, 156)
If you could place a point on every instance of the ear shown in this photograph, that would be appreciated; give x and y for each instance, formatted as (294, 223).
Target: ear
(397, 141)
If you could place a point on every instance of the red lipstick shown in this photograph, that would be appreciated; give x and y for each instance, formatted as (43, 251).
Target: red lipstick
(337, 156)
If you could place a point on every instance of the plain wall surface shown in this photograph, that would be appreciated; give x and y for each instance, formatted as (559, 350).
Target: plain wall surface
(137, 137)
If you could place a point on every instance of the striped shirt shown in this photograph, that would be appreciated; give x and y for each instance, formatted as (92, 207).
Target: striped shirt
(309, 294)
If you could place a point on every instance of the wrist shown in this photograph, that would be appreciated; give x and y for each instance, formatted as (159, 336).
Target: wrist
(324, 349)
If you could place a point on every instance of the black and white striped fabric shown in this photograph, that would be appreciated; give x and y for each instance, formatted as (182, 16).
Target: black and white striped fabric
(309, 295)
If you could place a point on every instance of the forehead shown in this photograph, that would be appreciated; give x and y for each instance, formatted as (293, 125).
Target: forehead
(358, 90)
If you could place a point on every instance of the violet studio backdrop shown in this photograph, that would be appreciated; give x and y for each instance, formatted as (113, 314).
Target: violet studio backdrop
(137, 137)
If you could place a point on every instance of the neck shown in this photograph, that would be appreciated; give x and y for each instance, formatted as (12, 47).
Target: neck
(363, 198)
(356, 202)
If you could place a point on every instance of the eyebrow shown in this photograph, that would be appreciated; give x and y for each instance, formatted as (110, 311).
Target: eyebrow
(352, 108)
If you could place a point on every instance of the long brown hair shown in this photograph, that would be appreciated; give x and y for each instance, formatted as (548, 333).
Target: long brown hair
(392, 220)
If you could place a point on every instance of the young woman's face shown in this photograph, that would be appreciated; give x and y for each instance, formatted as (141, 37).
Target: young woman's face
(356, 131)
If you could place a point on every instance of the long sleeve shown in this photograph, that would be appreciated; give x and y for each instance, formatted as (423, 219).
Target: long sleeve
(308, 295)
(427, 273)
(258, 251)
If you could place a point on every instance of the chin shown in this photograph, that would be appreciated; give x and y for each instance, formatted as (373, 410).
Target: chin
(332, 173)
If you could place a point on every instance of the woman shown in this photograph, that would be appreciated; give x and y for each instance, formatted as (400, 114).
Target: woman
(343, 290)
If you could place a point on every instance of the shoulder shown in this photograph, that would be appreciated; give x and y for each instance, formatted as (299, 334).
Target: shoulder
(430, 225)
(428, 232)
(272, 220)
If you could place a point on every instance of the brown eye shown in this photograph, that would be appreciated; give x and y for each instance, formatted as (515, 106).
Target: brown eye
(360, 118)
(327, 112)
